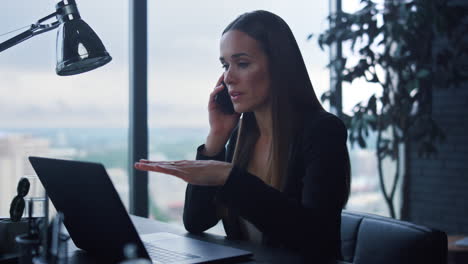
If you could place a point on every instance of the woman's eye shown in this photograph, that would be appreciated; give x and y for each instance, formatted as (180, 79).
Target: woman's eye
(243, 64)
(225, 66)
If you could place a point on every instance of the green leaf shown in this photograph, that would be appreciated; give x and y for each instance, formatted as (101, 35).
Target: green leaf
(457, 3)
(346, 120)
(374, 79)
(348, 77)
(372, 104)
(325, 96)
(423, 73)
(320, 40)
(361, 141)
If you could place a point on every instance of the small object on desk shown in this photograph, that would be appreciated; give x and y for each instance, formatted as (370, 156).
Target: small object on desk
(462, 242)
(457, 254)
(9, 258)
(8, 231)
(57, 252)
(29, 243)
(18, 203)
(131, 256)
(28, 248)
(32, 228)
(58, 248)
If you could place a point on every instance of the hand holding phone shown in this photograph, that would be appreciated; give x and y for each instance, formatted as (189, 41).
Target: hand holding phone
(222, 118)
(223, 99)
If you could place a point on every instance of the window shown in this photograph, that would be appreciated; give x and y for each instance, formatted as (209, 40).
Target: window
(82, 117)
(184, 67)
(366, 195)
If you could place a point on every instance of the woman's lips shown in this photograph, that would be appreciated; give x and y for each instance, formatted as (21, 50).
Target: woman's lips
(235, 96)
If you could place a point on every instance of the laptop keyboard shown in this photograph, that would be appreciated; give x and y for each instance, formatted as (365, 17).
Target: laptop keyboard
(163, 256)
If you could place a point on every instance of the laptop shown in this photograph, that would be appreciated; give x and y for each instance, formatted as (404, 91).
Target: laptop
(98, 222)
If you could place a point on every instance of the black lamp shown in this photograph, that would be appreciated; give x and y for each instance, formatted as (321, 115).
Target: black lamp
(79, 49)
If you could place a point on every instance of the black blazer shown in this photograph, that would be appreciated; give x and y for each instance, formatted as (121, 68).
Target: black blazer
(306, 215)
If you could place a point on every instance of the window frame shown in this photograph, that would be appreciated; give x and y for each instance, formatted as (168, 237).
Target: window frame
(138, 99)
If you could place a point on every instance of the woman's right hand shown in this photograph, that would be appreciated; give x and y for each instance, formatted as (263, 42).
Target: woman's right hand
(221, 124)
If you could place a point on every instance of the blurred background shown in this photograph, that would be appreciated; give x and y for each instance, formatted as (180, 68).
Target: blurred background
(85, 117)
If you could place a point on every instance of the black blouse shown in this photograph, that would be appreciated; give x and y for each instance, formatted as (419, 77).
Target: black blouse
(305, 216)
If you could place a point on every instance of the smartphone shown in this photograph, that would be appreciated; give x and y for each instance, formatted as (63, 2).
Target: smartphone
(223, 99)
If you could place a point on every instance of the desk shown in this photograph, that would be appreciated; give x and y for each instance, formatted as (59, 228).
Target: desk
(262, 254)
(456, 254)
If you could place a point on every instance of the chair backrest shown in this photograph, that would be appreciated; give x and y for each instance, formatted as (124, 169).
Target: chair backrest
(372, 239)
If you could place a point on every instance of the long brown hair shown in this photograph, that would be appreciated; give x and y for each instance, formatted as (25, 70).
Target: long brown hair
(292, 93)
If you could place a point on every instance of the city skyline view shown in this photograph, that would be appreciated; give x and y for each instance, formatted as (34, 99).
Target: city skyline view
(183, 63)
(85, 117)
(166, 193)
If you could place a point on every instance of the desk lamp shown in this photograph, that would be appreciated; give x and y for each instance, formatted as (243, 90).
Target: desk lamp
(79, 49)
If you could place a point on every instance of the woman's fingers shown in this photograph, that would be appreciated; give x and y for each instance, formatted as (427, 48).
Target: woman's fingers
(159, 162)
(220, 80)
(145, 166)
(166, 167)
(199, 172)
(219, 86)
(216, 90)
(159, 165)
(156, 167)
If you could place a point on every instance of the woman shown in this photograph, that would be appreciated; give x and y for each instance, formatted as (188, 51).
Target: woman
(284, 176)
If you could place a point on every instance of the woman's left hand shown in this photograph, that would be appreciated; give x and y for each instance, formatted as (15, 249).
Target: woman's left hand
(197, 172)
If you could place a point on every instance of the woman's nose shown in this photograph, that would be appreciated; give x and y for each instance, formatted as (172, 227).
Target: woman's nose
(228, 76)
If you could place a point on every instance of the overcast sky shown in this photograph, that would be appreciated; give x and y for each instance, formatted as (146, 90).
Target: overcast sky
(183, 61)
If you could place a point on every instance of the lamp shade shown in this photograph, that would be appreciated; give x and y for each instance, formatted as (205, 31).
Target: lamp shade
(79, 49)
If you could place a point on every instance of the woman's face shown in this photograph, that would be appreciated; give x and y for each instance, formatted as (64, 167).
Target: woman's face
(246, 72)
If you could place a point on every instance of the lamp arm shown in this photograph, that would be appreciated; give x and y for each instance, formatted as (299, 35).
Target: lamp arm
(34, 30)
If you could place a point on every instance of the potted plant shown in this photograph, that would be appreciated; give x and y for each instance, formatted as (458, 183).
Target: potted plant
(15, 225)
(407, 48)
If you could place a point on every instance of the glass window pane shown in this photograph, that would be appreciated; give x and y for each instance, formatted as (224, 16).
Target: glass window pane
(80, 117)
(366, 195)
(184, 67)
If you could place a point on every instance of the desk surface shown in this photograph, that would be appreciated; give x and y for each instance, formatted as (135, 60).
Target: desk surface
(456, 254)
(451, 244)
(144, 226)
